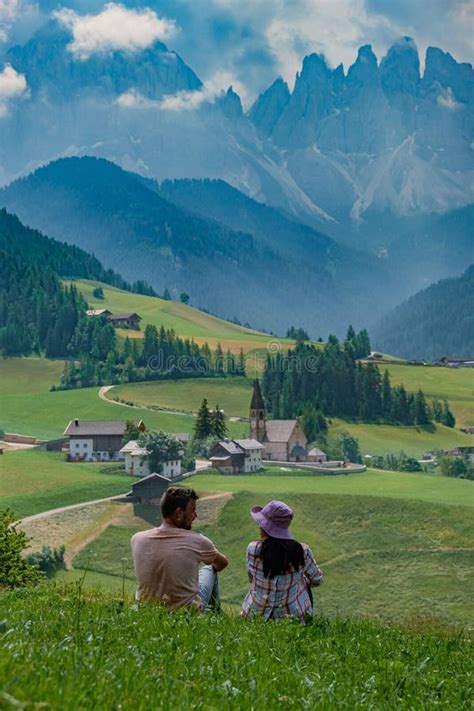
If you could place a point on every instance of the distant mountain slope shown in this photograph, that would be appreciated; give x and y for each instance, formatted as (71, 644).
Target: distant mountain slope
(218, 200)
(64, 259)
(435, 322)
(96, 205)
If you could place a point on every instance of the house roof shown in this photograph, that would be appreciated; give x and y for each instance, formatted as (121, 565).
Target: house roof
(458, 359)
(98, 312)
(95, 427)
(249, 444)
(231, 446)
(316, 452)
(151, 478)
(133, 447)
(116, 317)
(279, 430)
(257, 402)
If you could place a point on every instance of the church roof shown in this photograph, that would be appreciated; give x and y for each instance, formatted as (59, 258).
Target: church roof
(279, 430)
(257, 402)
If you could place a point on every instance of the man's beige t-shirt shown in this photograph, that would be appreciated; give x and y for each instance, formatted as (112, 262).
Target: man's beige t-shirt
(166, 561)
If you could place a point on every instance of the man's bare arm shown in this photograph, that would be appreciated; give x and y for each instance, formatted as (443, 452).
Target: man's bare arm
(220, 562)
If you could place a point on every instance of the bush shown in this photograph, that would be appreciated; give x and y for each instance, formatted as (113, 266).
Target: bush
(15, 570)
(48, 560)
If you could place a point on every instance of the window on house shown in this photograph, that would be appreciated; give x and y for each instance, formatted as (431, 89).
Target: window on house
(77, 445)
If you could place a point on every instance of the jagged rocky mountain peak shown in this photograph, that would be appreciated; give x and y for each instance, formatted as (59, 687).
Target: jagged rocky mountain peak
(400, 68)
(53, 70)
(230, 104)
(269, 105)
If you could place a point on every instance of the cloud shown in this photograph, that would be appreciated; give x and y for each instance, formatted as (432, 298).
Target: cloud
(184, 100)
(447, 101)
(114, 28)
(12, 85)
(8, 12)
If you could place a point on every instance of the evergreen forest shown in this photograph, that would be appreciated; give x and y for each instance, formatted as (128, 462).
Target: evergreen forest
(332, 382)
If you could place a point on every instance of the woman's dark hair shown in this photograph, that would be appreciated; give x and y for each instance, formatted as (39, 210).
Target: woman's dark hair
(281, 556)
(176, 497)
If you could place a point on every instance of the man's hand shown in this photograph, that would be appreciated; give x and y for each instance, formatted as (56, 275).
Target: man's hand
(220, 562)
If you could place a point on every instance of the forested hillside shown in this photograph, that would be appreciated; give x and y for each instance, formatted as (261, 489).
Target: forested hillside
(240, 271)
(434, 322)
(64, 259)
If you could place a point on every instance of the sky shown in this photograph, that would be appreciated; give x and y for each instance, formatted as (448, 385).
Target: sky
(248, 42)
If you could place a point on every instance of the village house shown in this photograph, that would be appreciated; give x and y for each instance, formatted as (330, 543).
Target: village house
(135, 466)
(457, 361)
(237, 456)
(150, 489)
(283, 440)
(96, 440)
(128, 320)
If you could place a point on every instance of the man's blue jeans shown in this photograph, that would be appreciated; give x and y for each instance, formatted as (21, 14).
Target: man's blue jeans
(209, 588)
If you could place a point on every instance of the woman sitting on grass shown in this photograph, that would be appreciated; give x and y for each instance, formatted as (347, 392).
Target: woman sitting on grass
(281, 570)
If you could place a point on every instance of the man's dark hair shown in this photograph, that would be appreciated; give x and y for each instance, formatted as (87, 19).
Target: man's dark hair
(176, 497)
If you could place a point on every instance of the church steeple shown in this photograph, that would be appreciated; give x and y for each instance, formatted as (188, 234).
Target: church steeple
(257, 414)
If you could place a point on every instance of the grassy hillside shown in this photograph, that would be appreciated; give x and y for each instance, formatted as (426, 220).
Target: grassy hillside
(361, 541)
(455, 384)
(27, 407)
(32, 481)
(384, 439)
(232, 394)
(186, 321)
(71, 650)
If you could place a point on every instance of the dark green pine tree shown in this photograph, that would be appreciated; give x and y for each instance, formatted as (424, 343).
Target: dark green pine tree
(386, 396)
(203, 426)
(219, 427)
(421, 409)
(219, 360)
(447, 417)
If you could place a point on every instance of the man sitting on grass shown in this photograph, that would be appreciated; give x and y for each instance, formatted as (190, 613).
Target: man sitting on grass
(166, 559)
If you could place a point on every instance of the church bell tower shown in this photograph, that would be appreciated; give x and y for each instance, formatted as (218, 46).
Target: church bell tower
(257, 414)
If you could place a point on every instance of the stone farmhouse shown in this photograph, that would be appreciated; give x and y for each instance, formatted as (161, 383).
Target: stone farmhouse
(283, 440)
(96, 440)
(133, 455)
(237, 456)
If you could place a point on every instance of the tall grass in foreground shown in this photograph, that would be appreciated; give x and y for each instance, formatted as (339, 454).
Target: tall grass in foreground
(65, 649)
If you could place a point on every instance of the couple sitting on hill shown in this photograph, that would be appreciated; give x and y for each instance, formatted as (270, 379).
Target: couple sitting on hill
(281, 570)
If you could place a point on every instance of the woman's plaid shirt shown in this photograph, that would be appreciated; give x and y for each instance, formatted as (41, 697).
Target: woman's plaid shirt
(283, 595)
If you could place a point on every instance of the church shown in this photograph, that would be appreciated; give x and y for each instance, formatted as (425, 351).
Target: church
(284, 440)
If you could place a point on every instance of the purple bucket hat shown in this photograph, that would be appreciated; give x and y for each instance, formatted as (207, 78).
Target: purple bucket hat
(274, 518)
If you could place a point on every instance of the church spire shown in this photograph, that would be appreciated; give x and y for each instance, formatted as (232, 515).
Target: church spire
(258, 415)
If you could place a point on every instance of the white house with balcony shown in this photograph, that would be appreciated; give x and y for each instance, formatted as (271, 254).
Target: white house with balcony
(135, 465)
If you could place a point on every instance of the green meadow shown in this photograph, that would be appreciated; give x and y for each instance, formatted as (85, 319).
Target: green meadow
(384, 439)
(72, 649)
(187, 321)
(27, 406)
(231, 394)
(455, 384)
(32, 481)
(392, 546)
